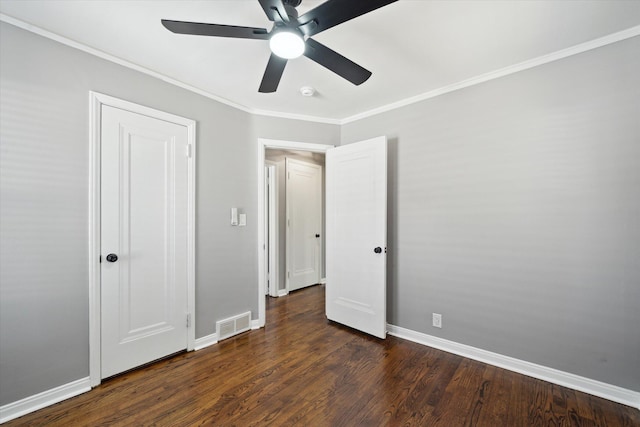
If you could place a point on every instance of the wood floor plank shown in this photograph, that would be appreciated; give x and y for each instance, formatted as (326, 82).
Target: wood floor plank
(495, 408)
(303, 370)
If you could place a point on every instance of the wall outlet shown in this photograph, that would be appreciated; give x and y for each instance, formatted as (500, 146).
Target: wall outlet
(436, 320)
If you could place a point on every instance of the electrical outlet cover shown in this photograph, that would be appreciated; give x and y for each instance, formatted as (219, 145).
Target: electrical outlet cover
(437, 320)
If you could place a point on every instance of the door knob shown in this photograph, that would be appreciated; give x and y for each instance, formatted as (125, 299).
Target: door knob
(378, 250)
(317, 236)
(112, 257)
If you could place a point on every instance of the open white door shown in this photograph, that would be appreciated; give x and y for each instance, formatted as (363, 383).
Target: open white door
(356, 214)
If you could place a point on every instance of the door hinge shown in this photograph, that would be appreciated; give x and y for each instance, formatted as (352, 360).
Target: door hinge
(188, 320)
(288, 274)
(100, 259)
(188, 150)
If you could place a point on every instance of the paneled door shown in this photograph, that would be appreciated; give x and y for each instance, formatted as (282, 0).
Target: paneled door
(144, 244)
(304, 223)
(356, 211)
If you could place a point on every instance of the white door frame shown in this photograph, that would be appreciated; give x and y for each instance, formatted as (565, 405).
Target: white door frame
(96, 101)
(263, 144)
(271, 230)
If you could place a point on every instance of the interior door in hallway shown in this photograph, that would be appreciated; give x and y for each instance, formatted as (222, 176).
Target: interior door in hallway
(144, 244)
(304, 223)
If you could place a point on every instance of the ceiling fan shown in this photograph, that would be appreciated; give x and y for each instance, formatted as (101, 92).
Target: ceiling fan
(290, 35)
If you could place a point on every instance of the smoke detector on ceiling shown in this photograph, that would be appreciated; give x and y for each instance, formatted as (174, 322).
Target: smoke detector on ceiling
(307, 91)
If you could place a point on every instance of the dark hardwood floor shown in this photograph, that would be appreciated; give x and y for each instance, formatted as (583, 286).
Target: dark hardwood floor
(303, 370)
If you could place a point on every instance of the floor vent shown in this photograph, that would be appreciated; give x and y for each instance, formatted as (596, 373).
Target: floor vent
(233, 325)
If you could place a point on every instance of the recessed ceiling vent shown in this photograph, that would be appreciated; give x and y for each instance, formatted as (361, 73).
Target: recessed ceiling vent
(233, 325)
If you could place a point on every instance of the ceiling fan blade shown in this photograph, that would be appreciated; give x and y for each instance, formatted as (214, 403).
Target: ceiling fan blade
(335, 62)
(275, 11)
(202, 29)
(273, 73)
(334, 12)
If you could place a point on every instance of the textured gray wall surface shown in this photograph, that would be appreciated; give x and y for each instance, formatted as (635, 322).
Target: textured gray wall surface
(514, 211)
(44, 106)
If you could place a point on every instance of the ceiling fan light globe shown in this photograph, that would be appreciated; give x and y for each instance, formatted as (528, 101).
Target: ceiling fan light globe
(287, 44)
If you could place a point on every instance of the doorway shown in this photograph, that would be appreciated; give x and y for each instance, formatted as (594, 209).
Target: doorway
(306, 150)
(295, 217)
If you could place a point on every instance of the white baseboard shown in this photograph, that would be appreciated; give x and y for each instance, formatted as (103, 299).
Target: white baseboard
(565, 379)
(255, 324)
(206, 341)
(323, 281)
(30, 404)
(282, 292)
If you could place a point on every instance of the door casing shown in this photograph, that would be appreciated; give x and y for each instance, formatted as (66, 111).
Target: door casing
(271, 228)
(96, 101)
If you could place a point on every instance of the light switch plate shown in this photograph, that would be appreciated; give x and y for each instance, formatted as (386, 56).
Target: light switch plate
(234, 216)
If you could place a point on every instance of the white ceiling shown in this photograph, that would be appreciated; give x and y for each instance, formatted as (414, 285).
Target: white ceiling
(412, 46)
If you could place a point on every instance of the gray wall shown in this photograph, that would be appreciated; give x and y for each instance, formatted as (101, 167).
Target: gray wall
(44, 104)
(514, 211)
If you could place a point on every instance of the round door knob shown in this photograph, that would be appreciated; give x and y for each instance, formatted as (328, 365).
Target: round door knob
(112, 257)
(378, 250)
(317, 236)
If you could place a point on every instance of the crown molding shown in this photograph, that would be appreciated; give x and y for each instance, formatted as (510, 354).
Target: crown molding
(293, 116)
(492, 75)
(111, 58)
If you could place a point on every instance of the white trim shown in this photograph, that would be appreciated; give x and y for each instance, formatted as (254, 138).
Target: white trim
(94, 240)
(255, 324)
(96, 101)
(323, 281)
(294, 116)
(283, 293)
(511, 69)
(565, 379)
(30, 404)
(541, 60)
(262, 145)
(272, 231)
(206, 341)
